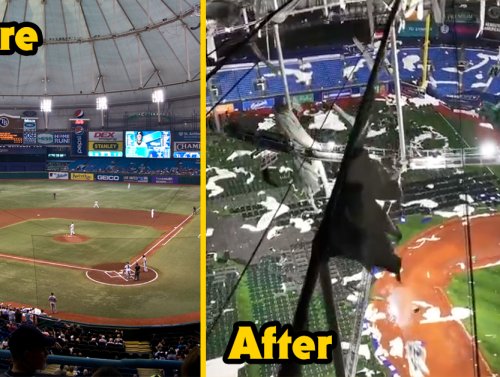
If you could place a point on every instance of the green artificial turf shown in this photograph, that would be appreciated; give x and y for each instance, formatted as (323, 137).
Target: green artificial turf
(38, 194)
(108, 242)
(414, 226)
(487, 293)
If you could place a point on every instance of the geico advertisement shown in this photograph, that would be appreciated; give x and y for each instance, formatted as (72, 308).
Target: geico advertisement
(108, 177)
(104, 146)
(82, 176)
(106, 136)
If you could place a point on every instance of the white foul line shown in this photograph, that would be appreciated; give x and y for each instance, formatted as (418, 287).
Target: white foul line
(163, 238)
(176, 233)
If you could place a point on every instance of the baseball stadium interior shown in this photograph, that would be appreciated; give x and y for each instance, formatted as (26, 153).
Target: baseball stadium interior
(100, 195)
(356, 143)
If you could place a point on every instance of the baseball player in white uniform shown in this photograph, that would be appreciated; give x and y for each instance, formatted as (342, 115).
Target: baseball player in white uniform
(127, 271)
(144, 263)
(72, 229)
(128, 186)
(152, 213)
(96, 204)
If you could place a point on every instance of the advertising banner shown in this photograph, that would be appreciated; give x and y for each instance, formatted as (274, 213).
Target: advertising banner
(416, 29)
(105, 149)
(58, 175)
(108, 177)
(82, 176)
(29, 131)
(165, 180)
(106, 136)
(266, 103)
(23, 149)
(334, 94)
(223, 108)
(463, 101)
(491, 28)
(79, 138)
(54, 138)
(136, 178)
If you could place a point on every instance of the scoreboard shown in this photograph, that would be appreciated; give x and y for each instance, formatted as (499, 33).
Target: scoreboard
(11, 137)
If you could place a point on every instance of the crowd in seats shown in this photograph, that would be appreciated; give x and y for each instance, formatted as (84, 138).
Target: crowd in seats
(165, 348)
(133, 166)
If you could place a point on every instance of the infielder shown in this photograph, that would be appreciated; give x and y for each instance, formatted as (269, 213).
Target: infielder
(152, 213)
(72, 229)
(128, 186)
(96, 204)
(144, 263)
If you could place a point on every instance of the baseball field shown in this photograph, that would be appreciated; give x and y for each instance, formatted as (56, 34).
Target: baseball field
(85, 271)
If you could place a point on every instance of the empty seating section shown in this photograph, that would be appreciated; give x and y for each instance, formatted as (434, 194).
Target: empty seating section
(331, 71)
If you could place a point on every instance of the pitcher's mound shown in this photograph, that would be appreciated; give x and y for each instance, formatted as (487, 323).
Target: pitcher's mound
(77, 238)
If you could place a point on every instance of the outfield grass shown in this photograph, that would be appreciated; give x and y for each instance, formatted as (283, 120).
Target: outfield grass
(38, 194)
(108, 242)
(414, 226)
(487, 292)
(177, 288)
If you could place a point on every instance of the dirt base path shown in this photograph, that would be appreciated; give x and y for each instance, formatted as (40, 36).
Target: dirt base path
(429, 262)
(162, 220)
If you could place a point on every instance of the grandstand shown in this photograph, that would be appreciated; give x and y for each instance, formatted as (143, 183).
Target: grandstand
(447, 109)
(99, 175)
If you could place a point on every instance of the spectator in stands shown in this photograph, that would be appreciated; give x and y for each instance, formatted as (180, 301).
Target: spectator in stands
(106, 372)
(191, 365)
(29, 350)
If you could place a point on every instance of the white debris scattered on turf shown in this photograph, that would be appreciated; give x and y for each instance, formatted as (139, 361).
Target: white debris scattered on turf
(461, 265)
(450, 69)
(375, 133)
(345, 345)
(428, 133)
(426, 203)
(467, 112)
(228, 310)
(237, 154)
(421, 241)
(350, 70)
(410, 61)
(250, 179)
(430, 186)
(372, 314)
(210, 232)
(334, 281)
(303, 225)
(467, 198)
(433, 315)
(217, 367)
(221, 174)
(461, 210)
(486, 125)
(266, 124)
(364, 351)
(274, 211)
(479, 76)
(332, 122)
(274, 232)
(366, 372)
(353, 297)
(427, 100)
(262, 192)
(397, 347)
(285, 169)
(416, 355)
(350, 279)
(421, 304)
(215, 211)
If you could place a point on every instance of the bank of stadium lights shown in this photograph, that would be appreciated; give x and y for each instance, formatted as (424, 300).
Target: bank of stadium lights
(46, 108)
(102, 104)
(158, 98)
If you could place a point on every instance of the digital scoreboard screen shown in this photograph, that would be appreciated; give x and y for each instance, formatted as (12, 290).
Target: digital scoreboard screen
(147, 144)
(11, 137)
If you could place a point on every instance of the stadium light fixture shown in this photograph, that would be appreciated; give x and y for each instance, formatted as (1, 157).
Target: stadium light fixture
(488, 150)
(158, 98)
(46, 108)
(102, 104)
